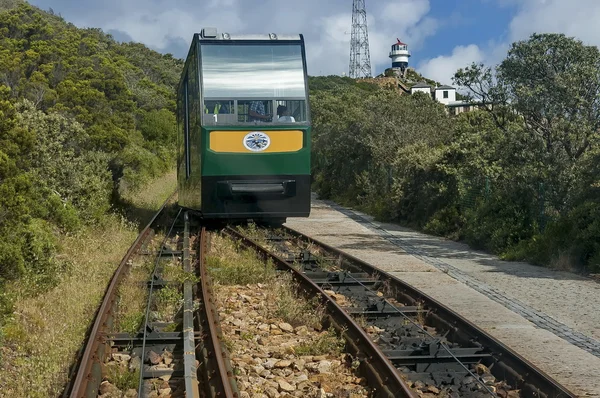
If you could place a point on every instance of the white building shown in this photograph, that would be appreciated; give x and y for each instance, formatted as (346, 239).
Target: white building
(421, 88)
(399, 56)
(445, 94)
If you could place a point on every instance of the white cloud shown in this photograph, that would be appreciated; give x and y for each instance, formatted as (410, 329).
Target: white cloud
(326, 24)
(573, 18)
(442, 68)
(576, 18)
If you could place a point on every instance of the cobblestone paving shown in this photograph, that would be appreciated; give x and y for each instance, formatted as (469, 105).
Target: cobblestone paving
(540, 319)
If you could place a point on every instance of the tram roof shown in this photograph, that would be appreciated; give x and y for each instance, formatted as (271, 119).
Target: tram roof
(212, 34)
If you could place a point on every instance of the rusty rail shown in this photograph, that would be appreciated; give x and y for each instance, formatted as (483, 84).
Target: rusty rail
(215, 369)
(89, 371)
(380, 372)
(532, 381)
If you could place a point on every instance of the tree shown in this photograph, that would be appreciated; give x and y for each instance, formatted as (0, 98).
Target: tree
(551, 84)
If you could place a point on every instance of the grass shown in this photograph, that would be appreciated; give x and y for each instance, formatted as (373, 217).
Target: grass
(40, 338)
(289, 305)
(121, 377)
(140, 204)
(167, 302)
(45, 331)
(230, 265)
(132, 298)
(327, 343)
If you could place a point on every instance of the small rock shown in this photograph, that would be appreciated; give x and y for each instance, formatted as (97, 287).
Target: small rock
(301, 378)
(488, 379)
(272, 392)
(324, 366)
(270, 363)
(121, 357)
(322, 393)
(481, 369)
(285, 386)
(258, 369)
(107, 388)
(154, 358)
(283, 363)
(153, 394)
(135, 363)
(301, 330)
(433, 389)
(286, 327)
(319, 358)
(266, 374)
(165, 377)
(299, 365)
(418, 385)
(131, 393)
(164, 392)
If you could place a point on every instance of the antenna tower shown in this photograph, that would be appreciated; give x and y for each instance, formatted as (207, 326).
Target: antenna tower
(360, 59)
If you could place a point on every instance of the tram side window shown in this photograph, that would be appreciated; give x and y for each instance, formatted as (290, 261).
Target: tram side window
(186, 140)
(290, 111)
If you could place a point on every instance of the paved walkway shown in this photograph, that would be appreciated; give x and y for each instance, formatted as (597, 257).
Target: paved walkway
(552, 318)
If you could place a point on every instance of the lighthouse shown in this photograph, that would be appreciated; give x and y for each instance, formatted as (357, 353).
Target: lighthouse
(399, 56)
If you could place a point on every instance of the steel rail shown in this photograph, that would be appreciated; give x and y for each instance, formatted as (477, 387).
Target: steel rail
(149, 301)
(525, 375)
(378, 368)
(88, 374)
(215, 368)
(189, 354)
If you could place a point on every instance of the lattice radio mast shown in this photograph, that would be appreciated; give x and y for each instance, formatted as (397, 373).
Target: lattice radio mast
(360, 59)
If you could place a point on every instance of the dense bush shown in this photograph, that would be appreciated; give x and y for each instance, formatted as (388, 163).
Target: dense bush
(80, 116)
(519, 177)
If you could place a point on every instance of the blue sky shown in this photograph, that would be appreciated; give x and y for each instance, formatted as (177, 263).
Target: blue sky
(443, 35)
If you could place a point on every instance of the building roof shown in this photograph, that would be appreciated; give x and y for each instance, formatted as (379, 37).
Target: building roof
(421, 85)
(445, 88)
(399, 42)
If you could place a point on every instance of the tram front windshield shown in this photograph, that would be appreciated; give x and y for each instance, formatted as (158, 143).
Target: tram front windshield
(252, 83)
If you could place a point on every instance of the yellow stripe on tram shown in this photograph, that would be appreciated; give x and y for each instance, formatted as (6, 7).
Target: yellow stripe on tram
(233, 141)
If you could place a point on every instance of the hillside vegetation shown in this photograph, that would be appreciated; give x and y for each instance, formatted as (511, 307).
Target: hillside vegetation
(520, 177)
(81, 117)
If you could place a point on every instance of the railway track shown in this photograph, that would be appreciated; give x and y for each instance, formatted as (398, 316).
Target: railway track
(176, 351)
(409, 344)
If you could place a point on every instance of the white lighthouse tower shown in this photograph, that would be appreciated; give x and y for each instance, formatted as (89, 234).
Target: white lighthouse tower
(399, 56)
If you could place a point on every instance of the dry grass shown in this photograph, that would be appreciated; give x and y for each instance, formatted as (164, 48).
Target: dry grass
(564, 262)
(291, 306)
(154, 194)
(327, 343)
(131, 305)
(231, 265)
(142, 204)
(46, 331)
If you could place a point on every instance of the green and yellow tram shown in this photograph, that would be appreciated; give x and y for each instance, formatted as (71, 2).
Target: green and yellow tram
(244, 127)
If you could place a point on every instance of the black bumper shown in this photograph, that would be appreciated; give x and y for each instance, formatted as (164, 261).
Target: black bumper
(255, 197)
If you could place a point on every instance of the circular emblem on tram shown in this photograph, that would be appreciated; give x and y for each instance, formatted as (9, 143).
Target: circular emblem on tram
(257, 141)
